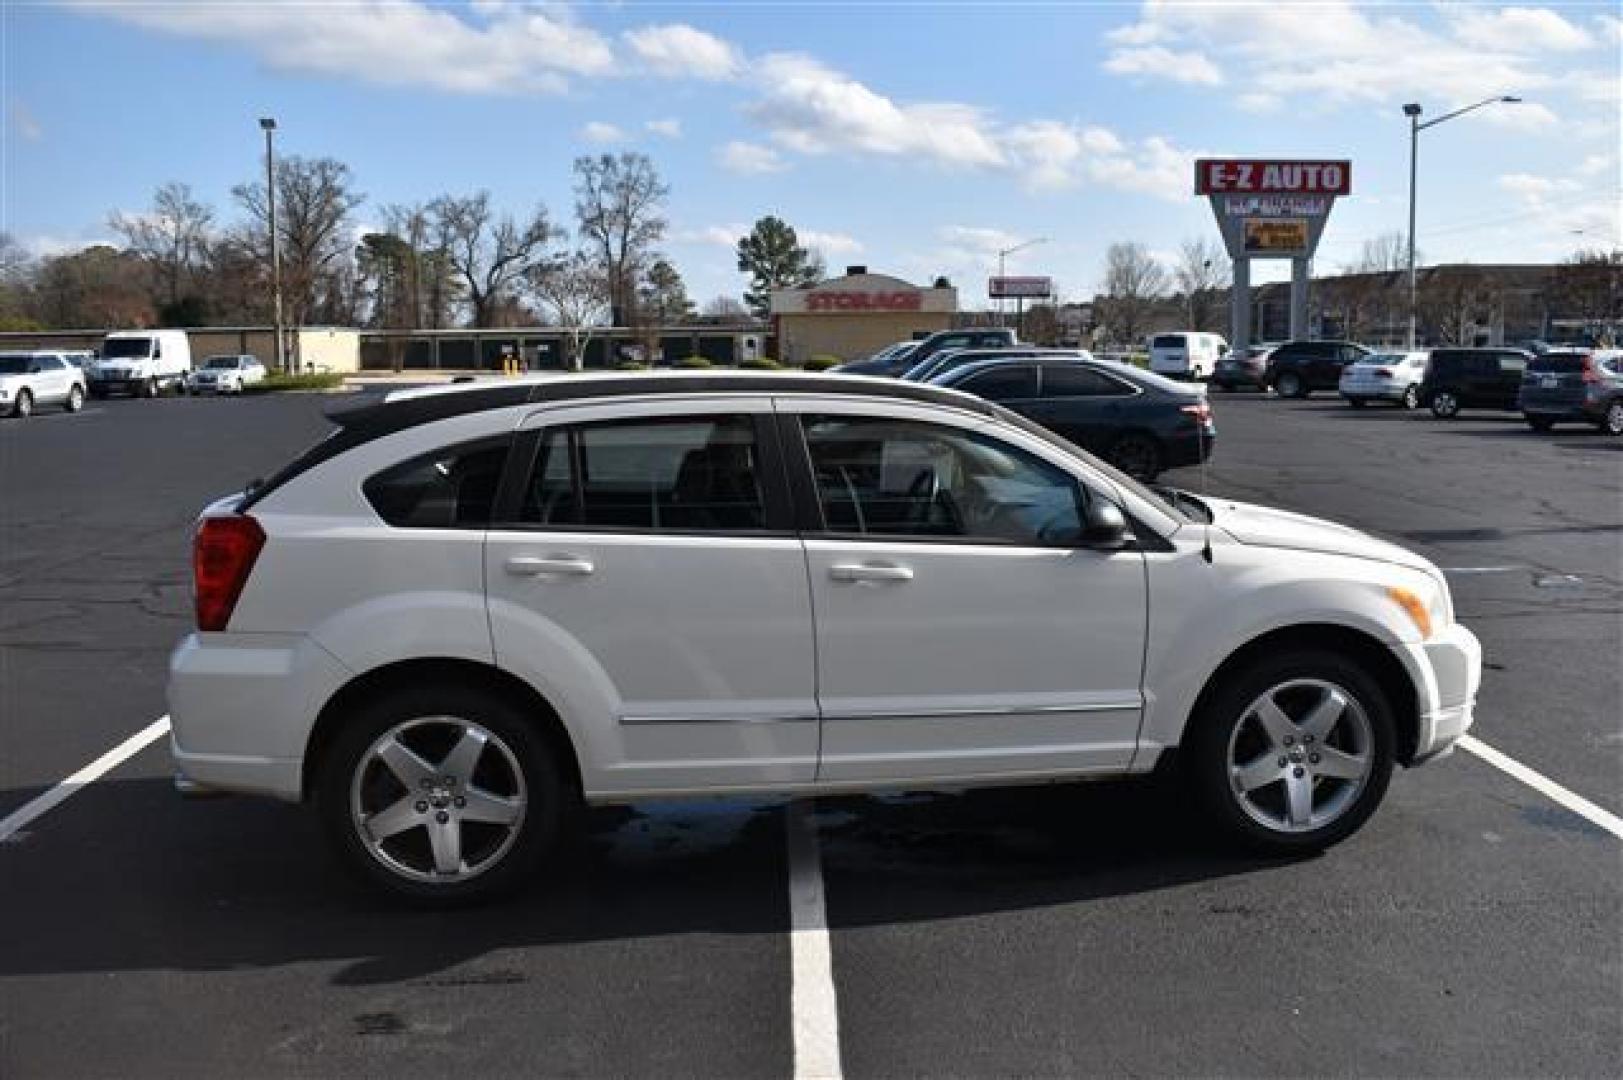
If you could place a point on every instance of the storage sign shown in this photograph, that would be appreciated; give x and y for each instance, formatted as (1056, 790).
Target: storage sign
(1271, 209)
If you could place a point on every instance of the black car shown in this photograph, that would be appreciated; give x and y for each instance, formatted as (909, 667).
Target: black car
(1472, 379)
(979, 338)
(947, 359)
(1297, 368)
(1136, 420)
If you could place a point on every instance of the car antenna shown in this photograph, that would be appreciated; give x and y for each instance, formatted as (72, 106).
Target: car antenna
(1205, 498)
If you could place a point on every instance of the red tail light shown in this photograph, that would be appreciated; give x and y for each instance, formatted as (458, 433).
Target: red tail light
(1591, 373)
(1202, 413)
(223, 554)
(1382, 373)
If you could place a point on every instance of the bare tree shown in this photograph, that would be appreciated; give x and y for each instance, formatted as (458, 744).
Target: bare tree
(618, 199)
(1388, 251)
(1457, 302)
(173, 237)
(1589, 286)
(1134, 281)
(1201, 275)
(726, 307)
(313, 203)
(573, 293)
(490, 254)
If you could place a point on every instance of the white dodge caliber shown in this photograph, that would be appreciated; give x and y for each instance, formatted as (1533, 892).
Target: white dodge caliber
(472, 608)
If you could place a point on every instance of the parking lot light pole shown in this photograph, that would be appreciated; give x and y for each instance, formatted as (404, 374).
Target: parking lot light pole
(1002, 310)
(268, 125)
(1412, 111)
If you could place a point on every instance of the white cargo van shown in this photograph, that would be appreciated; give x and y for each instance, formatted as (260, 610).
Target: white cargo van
(1187, 354)
(141, 362)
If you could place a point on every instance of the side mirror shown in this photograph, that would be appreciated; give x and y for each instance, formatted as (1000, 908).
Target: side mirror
(1104, 527)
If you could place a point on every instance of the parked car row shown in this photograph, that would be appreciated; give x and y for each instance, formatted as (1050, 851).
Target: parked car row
(33, 379)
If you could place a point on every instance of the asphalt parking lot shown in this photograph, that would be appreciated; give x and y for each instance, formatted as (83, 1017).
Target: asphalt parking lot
(1474, 927)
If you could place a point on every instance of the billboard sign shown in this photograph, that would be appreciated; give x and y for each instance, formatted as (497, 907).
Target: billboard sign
(1026, 288)
(1271, 209)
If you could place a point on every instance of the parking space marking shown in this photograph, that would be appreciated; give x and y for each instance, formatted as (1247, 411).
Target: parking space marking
(1544, 785)
(40, 805)
(813, 1010)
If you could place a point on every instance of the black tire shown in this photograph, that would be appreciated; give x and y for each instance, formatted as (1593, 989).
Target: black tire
(76, 399)
(1356, 402)
(23, 407)
(1411, 397)
(1612, 422)
(98, 393)
(1290, 385)
(550, 794)
(1445, 404)
(1539, 425)
(150, 388)
(1136, 454)
(1205, 754)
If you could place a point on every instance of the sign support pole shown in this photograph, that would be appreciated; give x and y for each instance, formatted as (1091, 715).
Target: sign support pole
(1240, 307)
(1299, 298)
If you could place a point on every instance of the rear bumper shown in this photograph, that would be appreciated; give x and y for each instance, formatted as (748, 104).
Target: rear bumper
(1373, 393)
(242, 707)
(1589, 412)
(1448, 673)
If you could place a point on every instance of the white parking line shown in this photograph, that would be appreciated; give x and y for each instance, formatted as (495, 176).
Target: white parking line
(19, 819)
(813, 1012)
(1544, 785)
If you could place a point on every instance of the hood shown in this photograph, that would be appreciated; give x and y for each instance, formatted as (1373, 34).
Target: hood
(1264, 526)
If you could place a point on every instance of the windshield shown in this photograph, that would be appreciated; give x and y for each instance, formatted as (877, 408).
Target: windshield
(14, 364)
(123, 348)
(1381, 359)
(217, 362)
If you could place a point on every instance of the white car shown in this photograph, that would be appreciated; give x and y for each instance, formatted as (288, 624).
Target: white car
(225, 375)
(1187, 354)
(1387, 376)
(31, 379)
(473, 607)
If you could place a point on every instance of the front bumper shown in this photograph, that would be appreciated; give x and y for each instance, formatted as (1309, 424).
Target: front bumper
(1372, 392)
(1447, 672)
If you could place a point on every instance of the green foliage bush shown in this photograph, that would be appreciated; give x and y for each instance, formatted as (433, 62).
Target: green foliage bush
(271, 384)
(694, 362)
(760, 363)
(822, 362)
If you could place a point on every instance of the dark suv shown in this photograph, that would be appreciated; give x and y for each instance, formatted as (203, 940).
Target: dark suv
(1472, 379)
(1297, 368)
(977, 338)
(1574, 385)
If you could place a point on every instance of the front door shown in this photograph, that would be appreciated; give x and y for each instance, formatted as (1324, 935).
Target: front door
(649, 573)
(958, 631)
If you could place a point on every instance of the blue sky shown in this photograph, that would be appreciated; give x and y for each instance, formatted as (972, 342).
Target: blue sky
(916, 138)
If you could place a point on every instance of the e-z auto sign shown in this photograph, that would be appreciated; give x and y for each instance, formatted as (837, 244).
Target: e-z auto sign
(1240, 177)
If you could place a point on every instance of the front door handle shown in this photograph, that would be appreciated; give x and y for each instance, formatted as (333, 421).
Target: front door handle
(870, 572)
(537, 566)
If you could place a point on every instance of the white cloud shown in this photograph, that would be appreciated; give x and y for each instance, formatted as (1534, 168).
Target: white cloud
(1050, 155)
(1534, 187)
(979, 240)
(500, 49)
(726, 236)
(596, 131)
(681, 50)
(1157, 60)
(1517, 29)
(1525, 116)
(1144, 33)
(1259, 102)
(829, 243)
(750, 159)
(811, 108)
(670, 127)
(44, 246)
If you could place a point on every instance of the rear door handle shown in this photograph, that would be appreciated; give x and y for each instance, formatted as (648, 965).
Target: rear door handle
(870, 572)
(536, 566)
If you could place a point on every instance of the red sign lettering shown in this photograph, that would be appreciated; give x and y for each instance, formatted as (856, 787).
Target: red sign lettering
(865, 301)
(1241, 177)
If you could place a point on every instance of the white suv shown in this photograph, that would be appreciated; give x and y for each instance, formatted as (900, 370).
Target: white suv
(471, 608)
(31, 379)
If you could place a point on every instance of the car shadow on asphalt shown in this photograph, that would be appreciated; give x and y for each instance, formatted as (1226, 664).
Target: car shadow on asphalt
(127, 877)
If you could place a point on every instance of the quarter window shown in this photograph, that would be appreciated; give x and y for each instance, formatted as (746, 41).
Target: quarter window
(907, 479)
(692, 474)
(454, 488)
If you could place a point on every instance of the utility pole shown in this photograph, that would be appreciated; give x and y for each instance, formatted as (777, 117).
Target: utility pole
(1002, 308)
(268, 125)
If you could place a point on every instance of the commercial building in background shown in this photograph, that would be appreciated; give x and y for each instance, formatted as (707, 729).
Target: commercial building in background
(852, 316)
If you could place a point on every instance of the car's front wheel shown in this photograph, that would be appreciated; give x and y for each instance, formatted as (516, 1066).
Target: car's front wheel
(1612, 422)
(23, 407)
(1445, 405)
(1411, 397)
(1293, 752)
(443, 796)
(1290, 385)
(76, 399)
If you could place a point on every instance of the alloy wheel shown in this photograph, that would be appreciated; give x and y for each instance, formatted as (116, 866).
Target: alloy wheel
(438, 799)
(1300, 756)
(1614, 418)
(25, 405)
(1444, 404)
(1411, 397)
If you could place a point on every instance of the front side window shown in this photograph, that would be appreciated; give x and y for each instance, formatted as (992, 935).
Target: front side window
(1003, 383)
(909, 479)
(1512, 363)
(454, 488)
(686, 474)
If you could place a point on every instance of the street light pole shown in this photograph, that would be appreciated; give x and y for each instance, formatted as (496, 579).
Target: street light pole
(1002, 309)
(268, 125)
(1413, 111)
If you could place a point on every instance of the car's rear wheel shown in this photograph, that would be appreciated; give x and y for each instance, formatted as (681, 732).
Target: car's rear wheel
(1540, 425)
(76, 399)
(1612, 422)
(1411, 397)
(150, 388)
(1445, 405)
(1293, 752)
(1137, 455)
(1290, 385)
(1356, 402)
(23, 407)
(443, 796)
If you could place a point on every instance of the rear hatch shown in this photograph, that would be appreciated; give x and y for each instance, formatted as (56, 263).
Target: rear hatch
(1555, 381)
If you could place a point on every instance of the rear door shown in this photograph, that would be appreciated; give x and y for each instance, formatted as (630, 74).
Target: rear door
(1080, 403)
(1508, 385)
(957, 634)
(652, 546)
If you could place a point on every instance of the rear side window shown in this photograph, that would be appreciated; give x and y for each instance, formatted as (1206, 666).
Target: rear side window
(1168, 341)
(689, 474)
(1557, 364)
(1512, 362)
(1079, 381)
(454, 488)
(1003, 383)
